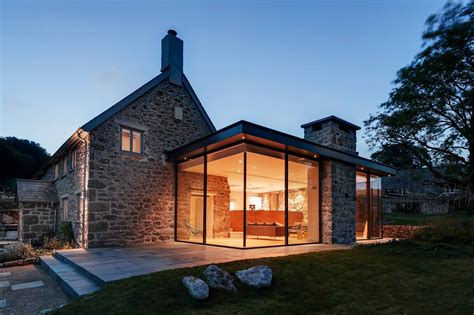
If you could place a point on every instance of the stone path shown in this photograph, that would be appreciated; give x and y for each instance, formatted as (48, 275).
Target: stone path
(28, 290)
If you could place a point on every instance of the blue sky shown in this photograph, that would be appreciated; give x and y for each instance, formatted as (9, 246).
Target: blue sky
(276, 63)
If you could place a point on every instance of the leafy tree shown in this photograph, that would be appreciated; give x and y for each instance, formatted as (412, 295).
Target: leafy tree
(431, 105)
(19, 158)
(398, 156)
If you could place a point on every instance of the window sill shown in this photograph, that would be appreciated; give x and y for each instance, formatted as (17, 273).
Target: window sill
(132, 154)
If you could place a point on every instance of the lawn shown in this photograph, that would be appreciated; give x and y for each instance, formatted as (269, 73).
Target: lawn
(424, 219)
(399, 277)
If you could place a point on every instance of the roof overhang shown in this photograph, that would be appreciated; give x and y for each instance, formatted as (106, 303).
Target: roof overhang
(244, 131)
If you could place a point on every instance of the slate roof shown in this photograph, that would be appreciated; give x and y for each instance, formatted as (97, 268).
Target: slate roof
(95, 122)
(29, 190)
(342, 123)
(99, 119)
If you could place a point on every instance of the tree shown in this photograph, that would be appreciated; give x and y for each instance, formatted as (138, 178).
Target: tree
(20, 158)
(398, 156)
(431, 104)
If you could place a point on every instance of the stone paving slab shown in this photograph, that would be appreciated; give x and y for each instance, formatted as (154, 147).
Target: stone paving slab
(4, 284)
(27, 285)
(3, 303)
(111, 264)
(5, 274)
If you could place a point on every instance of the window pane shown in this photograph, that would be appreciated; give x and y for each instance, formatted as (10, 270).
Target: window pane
(303, 200)
(126, 140)
(137, 142)
(190, 216)
(362, 209)
(376, 202)
(225, 193)
(265, 195)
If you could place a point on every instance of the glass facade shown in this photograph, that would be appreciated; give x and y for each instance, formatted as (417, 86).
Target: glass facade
(368, 206)
(190, 201)
(255, 197)
(303, 201)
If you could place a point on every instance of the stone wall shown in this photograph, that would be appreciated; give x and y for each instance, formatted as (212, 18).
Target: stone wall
(338, 184)
(70, 186)
(37, 221)
(217, 188)
(329, 134)
(131, 196)
(400, 231)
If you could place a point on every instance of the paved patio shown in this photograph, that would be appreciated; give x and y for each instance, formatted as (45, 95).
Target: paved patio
(110, 264)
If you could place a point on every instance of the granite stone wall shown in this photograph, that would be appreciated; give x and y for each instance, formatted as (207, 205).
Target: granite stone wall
(70, 185)
(37, 221)
(400, 231)
(332, 136)
(217, 188)
(338, 183)
(131, 196)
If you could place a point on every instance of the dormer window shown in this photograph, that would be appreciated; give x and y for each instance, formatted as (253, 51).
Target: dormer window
(131, 140)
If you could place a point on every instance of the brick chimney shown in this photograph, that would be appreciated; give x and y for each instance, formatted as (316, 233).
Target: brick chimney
(333, 132)
(172, 57)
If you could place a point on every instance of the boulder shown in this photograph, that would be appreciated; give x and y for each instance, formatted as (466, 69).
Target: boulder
(217, 278)
(197, 288)
(257, 277)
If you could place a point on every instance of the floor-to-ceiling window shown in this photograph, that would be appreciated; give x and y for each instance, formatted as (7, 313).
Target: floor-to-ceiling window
(303, 200)
(368, 206)
(376, 206)
(225, 205)
(362, 206)
(265, 196)
(190, 201)
(255, 197)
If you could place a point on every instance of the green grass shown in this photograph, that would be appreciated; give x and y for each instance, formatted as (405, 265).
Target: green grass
(424, 219)
(397, 278)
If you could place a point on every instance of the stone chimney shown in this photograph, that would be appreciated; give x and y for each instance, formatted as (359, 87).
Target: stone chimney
(332, 132)
(172, 57)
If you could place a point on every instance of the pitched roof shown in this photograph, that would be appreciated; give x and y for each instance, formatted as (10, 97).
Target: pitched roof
(96, 121)
(29, 190)
(99, 119)
(342, 123)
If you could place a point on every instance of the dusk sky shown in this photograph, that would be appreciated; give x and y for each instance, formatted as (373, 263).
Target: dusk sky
(276, 63)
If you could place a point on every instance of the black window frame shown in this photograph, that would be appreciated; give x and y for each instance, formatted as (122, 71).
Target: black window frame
(132, 131)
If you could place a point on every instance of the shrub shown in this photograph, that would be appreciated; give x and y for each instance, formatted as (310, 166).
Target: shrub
(65, 233)
(51, 243)
(17, 251)
(451, 231)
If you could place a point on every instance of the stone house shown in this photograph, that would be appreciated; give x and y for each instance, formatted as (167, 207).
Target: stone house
(153, 168)
(419, 191)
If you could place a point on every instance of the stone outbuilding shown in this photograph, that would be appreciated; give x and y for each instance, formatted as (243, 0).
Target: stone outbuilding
(154, 168)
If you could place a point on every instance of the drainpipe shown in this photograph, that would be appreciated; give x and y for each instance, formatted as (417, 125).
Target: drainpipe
(84, 190)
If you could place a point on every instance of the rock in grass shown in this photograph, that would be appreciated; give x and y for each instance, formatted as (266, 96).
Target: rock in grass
(197, 288)
(217, 278)
(257, 277)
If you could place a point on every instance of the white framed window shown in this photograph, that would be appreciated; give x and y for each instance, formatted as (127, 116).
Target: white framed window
(131, 140)
(449, 190)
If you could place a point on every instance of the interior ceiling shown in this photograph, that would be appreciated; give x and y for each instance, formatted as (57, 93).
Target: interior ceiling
(264, 173)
